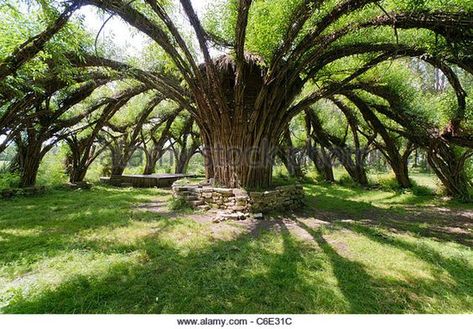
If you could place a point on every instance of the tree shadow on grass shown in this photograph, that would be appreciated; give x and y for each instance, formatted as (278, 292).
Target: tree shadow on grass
(237, 276)
(409, 293)
(283, 287)
(458, 268)
(363, 293)
(34, 228)
(448, 226)
(242, 275)
(340, 203)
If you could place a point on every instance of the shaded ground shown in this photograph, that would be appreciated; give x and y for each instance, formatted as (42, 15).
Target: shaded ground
(123, 251)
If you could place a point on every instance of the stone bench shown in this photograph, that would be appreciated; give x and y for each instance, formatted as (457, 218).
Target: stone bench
(143, 181)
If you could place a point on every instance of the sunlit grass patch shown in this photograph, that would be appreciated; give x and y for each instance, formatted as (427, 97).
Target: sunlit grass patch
(102, 251)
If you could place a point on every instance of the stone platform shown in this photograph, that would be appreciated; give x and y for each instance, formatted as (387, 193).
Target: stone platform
(157, 180)
(25, 191)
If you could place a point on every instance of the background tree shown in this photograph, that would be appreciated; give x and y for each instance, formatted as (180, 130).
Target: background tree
(157, 138)
(291, 156)
(123, 135)
(186, 143)
(84, 145)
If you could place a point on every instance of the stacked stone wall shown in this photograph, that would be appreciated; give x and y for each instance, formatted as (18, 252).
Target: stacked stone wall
(206, 197)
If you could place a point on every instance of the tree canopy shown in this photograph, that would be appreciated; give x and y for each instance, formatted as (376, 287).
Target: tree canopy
(358, 71)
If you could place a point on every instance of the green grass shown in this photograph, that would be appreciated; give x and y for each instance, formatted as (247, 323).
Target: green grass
(98, 252)
(428, 180)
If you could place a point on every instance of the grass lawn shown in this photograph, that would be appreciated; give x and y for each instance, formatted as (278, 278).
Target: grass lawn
(123, 251)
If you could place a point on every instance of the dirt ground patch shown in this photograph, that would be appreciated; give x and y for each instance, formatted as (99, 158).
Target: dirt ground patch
(441, 223)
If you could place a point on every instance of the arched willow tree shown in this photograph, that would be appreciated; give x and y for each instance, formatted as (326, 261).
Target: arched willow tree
(388, 114)
(49, 98)
(280, 57)
(249, 67)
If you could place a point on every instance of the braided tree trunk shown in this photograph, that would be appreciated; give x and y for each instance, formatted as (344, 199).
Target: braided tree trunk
(290, 156)
(241, 123)
(449, 166)
(120, 156)
(75, 166)
(30, 152)
(29, 165)
(323, 163)
(239, 163)
(151, 158)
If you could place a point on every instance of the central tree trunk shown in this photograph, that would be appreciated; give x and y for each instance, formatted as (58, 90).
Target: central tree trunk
(241, 165)
(241, 115)
(182, 162)
(354, 164)
(118, 168)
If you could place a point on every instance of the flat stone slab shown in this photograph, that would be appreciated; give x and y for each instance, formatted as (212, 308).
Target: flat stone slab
(155, 180)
